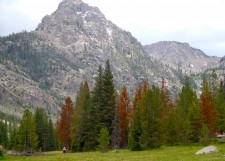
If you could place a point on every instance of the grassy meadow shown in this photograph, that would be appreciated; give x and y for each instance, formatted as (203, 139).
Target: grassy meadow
(165, 153)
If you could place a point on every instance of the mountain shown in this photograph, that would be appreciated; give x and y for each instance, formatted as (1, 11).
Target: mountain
(181, 56)
(42, 67)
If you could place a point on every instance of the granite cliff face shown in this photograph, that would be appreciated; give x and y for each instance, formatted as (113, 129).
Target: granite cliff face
(42, 67)
(181, 56)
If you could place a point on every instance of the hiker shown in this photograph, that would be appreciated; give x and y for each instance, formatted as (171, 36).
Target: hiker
(64, 149)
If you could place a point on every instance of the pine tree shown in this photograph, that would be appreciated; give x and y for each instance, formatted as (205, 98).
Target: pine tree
(64, 123)
(97, 104)
(103, 139)
(187, 99)
(150, 113)
(4, 133)
(209, 112)
(165, 95)
(52, 140)
(12, 139)
(124, 117)
(41, 120)
(195, 119)
(82, 138)
(109, 98)
(220, 106)
(27, 137)
(214, 84)
(135, 133)
(137, 97)
(167, 114)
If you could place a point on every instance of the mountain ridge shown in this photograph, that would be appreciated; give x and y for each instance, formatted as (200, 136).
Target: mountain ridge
(65, 49)
(181, 55)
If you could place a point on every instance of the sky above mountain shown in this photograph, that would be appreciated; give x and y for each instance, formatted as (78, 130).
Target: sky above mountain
(201, 23)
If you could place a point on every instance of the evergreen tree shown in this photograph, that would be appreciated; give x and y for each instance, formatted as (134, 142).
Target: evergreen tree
(187, 99)
(97, 104)
(137, 97)
(150, 113)
(82, 138)
(12, 139)
(64, 124)
(104, 102)
(103, 139)
(209, 112)
(4, 133)
(27, 137)
(220, 106)
(109, 98)
(195, 119)
(52, 140)
(214, 84)
(167, 115)
(124, 117)
(116, 139)
(135, 133)
(41, 120)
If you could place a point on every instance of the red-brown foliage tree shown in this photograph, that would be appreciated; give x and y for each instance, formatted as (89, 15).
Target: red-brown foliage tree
(209, 112)
(124, 117)
(63, 127)
(137, 98)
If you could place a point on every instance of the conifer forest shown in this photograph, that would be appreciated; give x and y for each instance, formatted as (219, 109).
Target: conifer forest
(105, 118)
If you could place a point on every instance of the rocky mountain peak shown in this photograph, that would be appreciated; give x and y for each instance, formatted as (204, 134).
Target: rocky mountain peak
(73, 21)
(181, 55)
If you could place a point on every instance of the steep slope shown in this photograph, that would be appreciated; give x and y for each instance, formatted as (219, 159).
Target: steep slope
(182, 56)
(67, 48)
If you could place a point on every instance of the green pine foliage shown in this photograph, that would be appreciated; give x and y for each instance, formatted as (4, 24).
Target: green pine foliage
(220, 106)
(82, 140)
(151, 105)
(103, 139)
(109, 98)
(52, 138)
(187, 99)
(103, 101)
(3, 134)
(153, 120)
(45, 131)
(41, 120)
(134, 141)
(97, 104)
(27, 138)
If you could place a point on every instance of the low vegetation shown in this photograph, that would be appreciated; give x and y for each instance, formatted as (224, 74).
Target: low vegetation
(164, 153)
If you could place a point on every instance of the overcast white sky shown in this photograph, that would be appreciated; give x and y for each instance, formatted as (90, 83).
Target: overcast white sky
(201, 23)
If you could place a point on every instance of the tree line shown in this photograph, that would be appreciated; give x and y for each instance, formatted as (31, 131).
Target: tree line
(105, 118)
(35, 132)
(148, 121)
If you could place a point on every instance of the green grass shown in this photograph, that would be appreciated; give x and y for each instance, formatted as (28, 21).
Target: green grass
(176, 153)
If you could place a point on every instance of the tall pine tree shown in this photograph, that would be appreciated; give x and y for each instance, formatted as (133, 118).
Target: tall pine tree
(41, 120)
(124, 117)
(82, 140)
(109, 98)
(63, 127)
(27, 138)
(209, 112)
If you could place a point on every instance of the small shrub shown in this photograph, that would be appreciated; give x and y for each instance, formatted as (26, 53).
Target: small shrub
(103, 140)
(205, 137)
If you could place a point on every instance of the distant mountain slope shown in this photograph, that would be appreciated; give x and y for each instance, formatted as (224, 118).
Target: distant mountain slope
(67, 48)
(181, 55)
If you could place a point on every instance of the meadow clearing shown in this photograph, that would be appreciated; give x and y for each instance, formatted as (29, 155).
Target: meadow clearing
(164, 153)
